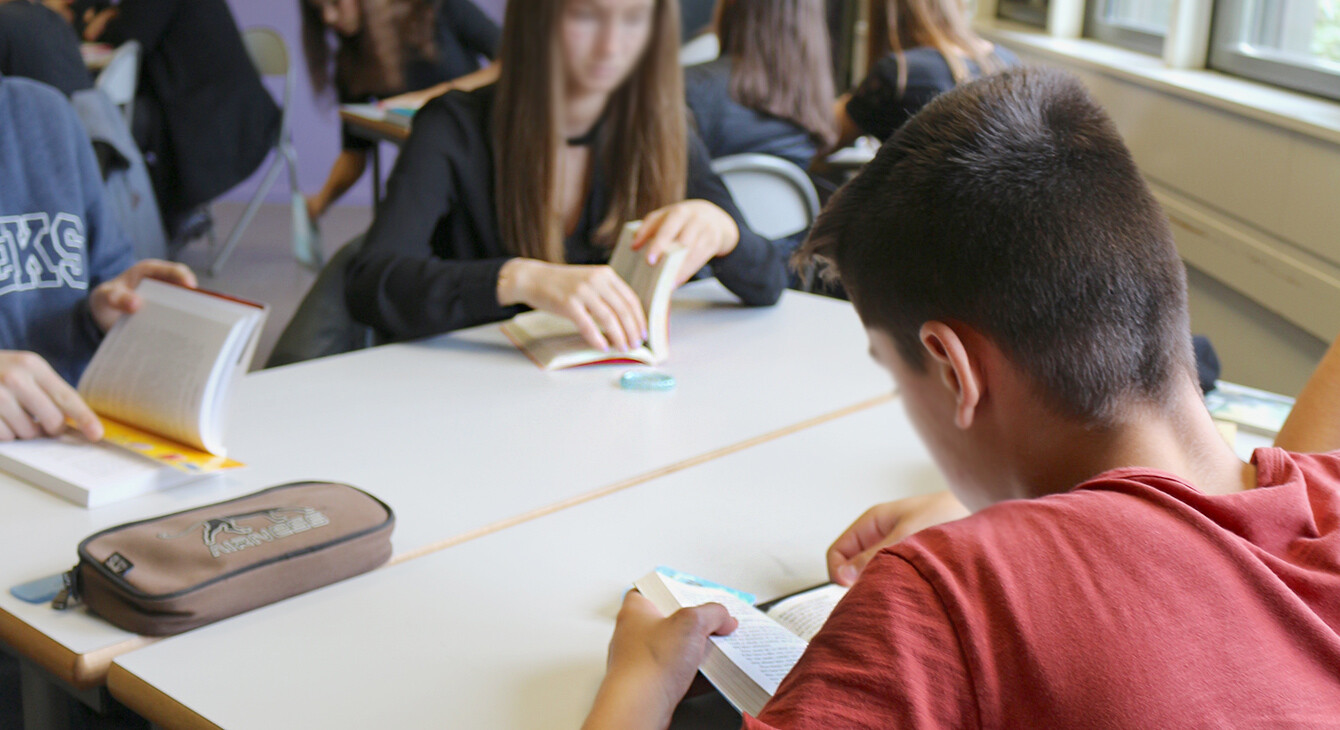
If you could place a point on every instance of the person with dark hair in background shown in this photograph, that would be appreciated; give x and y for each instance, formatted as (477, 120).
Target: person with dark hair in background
(771, 90)
(917, 50)
(1122, 567)
(37, 43)
(408, 50)
(202, 116)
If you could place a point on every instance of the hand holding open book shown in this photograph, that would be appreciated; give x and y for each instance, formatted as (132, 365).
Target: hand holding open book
(748, 664)
(159, 382)
(555, 342)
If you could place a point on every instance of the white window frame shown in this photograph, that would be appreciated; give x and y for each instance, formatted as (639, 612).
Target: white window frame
(1144, 40)
(1262, 63)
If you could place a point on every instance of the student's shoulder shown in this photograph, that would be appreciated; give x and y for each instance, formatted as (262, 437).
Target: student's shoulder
(1015, 534)
(34, 100)
(456, 115)
(716, 71)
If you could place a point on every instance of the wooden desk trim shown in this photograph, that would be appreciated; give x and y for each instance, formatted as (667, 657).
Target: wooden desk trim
(152, 704)
(83, 671)
(638, 479)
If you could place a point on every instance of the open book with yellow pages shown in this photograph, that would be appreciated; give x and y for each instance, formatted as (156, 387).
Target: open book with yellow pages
(160, 382)
(553, 341)
(747, 665)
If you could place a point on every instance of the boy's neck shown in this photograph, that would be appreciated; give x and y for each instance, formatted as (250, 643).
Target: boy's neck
(1178, 437)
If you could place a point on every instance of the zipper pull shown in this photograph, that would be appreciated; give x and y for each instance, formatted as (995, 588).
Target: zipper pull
(69, 595)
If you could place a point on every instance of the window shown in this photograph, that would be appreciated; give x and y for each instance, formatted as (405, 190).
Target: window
(1033, 12)
(1136, 24)
(1293, 43)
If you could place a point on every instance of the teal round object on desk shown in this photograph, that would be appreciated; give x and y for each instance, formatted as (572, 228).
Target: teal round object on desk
(646, 380)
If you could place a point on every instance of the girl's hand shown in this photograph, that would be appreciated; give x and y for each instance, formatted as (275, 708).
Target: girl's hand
(704, 229)
(602, 305)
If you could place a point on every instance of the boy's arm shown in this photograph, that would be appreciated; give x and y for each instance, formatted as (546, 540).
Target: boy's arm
(652, 660)
(1313, 426)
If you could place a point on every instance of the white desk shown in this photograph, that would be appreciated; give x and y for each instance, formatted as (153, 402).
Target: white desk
(462, 435)
(510, 631)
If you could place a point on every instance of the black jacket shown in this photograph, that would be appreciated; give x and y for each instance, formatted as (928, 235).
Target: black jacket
(215, 121)
(728, 127)
(38, 44)
(430, 261)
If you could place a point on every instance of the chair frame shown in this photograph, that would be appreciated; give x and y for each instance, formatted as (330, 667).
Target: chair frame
(287, 154)
(125, 60)
(753, 162)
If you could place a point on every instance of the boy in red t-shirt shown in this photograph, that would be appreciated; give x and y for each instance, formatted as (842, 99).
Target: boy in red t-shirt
(1122, 567)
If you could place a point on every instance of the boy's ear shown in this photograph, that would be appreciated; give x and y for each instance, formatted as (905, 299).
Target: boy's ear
(952, 364)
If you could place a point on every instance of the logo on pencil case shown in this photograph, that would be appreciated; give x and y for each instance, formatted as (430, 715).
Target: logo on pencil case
(282, 522)
(41, 252)
(117, 563)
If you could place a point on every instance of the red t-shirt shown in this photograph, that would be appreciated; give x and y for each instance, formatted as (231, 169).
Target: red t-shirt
(1132, 601)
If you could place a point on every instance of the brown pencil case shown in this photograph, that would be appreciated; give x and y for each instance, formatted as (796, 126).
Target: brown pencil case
(168, 574)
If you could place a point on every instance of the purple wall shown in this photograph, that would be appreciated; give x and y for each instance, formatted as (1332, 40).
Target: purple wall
(316, 129)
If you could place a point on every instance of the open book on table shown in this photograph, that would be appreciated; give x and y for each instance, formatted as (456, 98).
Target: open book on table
(160, 383)
(553, 341)
(749, 664)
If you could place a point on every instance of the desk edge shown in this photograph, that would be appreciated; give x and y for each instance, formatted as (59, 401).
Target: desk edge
(151, 703)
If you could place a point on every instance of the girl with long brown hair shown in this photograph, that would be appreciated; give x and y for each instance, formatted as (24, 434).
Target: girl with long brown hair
(918, 49)
(385, 48)
(771, 90)
(512, 195)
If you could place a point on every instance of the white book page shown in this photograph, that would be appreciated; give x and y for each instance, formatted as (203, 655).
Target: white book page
(159, 368)
(653, 284)
(805, 613)
(554, 342)
(86, 473)
(761, 647)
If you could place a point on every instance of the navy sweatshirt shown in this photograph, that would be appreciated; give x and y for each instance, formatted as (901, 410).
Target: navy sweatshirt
(57, 239)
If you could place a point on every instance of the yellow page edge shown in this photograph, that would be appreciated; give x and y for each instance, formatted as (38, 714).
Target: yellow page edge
(165, 451)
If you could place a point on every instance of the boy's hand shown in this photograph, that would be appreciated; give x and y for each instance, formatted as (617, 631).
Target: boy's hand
(885, 524)
(652, 660)
(111, 299)
(35, 401)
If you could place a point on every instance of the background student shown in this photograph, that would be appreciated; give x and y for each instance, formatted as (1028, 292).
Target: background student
(386, 48)
(73, 277)
(512, 196)
(202, 117)
(771, 90)
(918, 49)
(1122, 565)
(37, 43)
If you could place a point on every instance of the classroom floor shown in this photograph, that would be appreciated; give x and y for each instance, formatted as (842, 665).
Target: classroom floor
(262, 267)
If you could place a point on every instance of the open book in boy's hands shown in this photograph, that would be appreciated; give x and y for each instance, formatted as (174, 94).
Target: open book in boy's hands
(159, 382)
(749, 664)
(553, 341)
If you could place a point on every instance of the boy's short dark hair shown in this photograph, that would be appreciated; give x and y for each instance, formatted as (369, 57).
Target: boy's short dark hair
(1010, 204)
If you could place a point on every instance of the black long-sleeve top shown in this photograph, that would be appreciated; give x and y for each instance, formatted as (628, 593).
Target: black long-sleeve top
(728, 127)
(430, 261)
